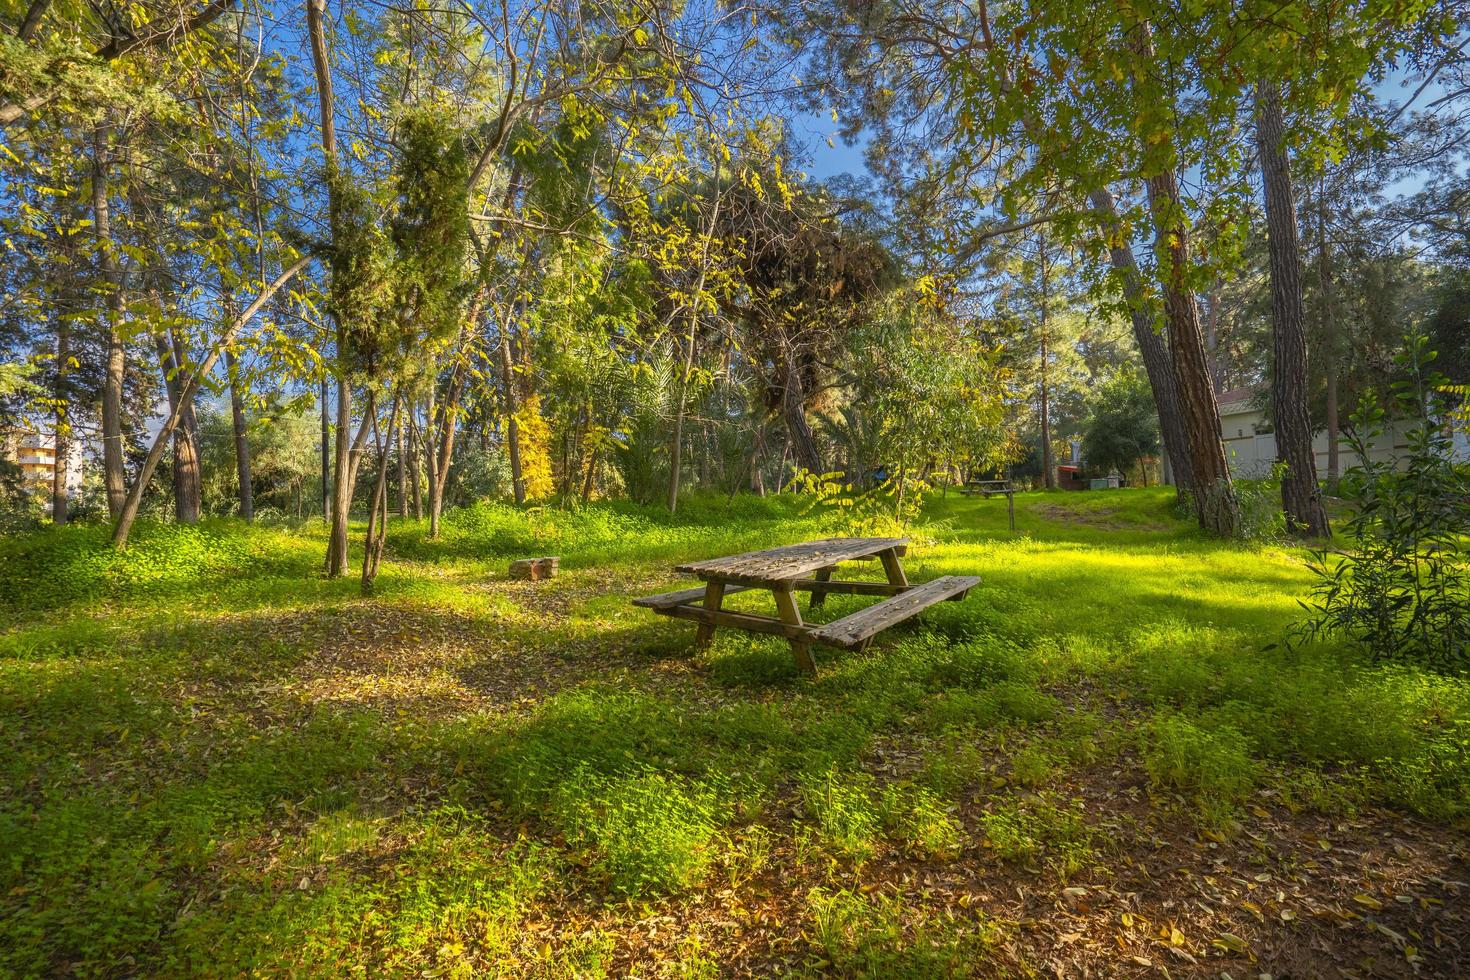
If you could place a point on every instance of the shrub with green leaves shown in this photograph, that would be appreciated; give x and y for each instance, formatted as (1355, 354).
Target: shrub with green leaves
(1402, 591)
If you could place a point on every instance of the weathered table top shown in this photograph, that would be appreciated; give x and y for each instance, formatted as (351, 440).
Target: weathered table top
(791, 561)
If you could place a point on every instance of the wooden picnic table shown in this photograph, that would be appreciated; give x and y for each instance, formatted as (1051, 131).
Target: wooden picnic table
(992, 488)
(806, 567)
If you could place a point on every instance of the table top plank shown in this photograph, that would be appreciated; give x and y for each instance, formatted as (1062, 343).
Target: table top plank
(790, 561)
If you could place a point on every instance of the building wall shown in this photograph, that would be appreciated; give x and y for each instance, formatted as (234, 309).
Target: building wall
(1252, 453)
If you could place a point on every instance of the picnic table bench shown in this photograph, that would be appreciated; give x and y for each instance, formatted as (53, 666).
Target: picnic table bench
(993, 488)
(806, 567)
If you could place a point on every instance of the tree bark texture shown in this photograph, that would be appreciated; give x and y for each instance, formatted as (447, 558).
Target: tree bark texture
(1301, 498)
(1158, 365)
(1214, 496)
(113, 476)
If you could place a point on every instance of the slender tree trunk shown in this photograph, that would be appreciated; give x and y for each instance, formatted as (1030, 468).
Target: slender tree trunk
(186, 447)
(61, 425)
(1328, 332)
(1301, 498)
(1046, 460)
(449, 421)
(326, 453)
(431, 459)
(414, 443)
(402, 472)
(337, 545)
(512, 406)
(113, 475)
(377, 530)
(242, 439)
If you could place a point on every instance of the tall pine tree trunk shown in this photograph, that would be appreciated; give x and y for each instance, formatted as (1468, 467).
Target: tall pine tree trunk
(1214, 496)
(1301, 498)
(342, 484)
(1158, 365)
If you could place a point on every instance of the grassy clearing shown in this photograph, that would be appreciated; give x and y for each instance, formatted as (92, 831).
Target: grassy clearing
(214, 761)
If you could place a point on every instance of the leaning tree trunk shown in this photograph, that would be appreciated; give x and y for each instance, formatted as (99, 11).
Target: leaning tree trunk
(1158, 366)
(113, 476)
(242, 439)
(1301, 498)
(1214, 497)
(799, 431)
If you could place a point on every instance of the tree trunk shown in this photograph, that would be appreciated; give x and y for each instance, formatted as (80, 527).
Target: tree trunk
(337, 544)
(134, 500)
(402, 472)
(186, 446)
(1158, 365)
(61, 426)
(512, 429)
(1301, 498)
(113, 474)
(377, 529)
(242, 439)
(1214, 497)
(326, 454)
(1212, 337)
(431, 460)
(415, 477)
(1328, 332)
(793, 406)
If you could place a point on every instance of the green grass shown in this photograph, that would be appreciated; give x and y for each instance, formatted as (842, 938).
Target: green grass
(215, 761)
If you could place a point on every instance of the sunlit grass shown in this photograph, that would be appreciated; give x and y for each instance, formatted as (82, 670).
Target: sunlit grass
(214, 760)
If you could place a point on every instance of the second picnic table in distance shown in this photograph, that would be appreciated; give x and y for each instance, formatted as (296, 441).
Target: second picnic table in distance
(806, 567)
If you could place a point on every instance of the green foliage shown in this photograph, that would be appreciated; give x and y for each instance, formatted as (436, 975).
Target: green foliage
(877, 936)
(1403, 591)
(651, 834)
(1042, 828)
(1123, 426)
(1213, 765)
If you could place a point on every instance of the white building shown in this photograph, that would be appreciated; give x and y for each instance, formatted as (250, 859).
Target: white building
(1250, 444)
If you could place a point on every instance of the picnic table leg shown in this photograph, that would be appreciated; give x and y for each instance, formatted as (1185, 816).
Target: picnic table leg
(893, 568)
(1011, 506)
(819, 596)
(791, 616)
(714, 595)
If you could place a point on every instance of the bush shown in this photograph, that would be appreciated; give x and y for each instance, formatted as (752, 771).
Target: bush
(1403, 591)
